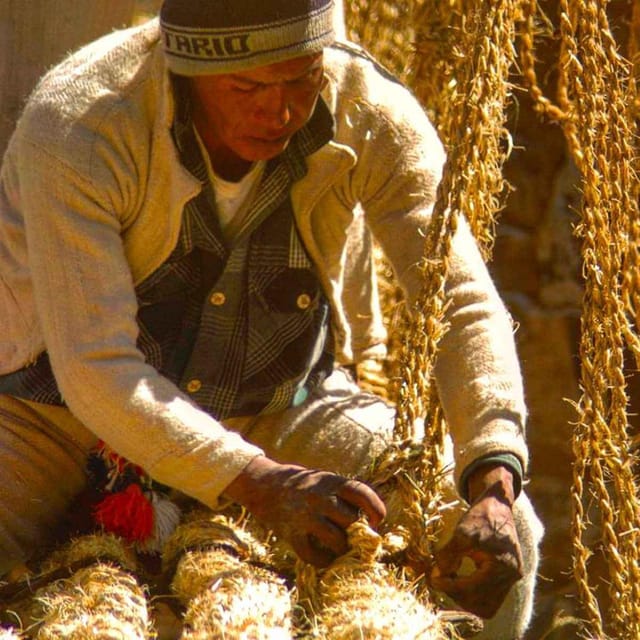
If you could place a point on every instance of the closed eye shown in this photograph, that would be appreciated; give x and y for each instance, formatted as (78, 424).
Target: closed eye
(312, 76)
(246, 87)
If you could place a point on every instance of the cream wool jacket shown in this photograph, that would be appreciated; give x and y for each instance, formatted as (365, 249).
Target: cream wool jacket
(91, 199)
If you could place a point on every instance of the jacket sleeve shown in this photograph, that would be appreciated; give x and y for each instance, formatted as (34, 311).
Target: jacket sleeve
(477, 369)
(86, 307)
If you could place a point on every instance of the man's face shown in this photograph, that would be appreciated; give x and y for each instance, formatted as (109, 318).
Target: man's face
(252, 115)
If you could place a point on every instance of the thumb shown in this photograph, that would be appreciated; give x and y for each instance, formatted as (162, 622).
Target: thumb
(449, 558)
(446, 565)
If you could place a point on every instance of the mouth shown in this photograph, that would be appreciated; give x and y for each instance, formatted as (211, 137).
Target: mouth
(271, 139)
(264, 147)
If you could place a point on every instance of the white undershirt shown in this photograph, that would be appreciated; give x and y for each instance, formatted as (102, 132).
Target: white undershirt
(231, 196)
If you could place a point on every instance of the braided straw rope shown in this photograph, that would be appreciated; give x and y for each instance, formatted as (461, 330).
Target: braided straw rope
(472, 186)
(98, 602)
(385, 28)
(216, 577)
(467, 99)
(360, 597)
(596, 104)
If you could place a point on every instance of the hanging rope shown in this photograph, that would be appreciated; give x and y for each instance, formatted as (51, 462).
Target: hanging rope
(473, 128)
(385, 28)
(467, 96)
(464, 54)
(596, 102)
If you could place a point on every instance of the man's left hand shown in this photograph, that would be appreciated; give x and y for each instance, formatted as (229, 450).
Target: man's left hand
(482, 561)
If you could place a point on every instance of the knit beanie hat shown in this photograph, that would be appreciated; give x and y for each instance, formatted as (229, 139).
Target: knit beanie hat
(204, 37)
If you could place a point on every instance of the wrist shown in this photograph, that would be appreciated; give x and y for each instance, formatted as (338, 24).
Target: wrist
(244, 489)
(492, 479)
(508, 460)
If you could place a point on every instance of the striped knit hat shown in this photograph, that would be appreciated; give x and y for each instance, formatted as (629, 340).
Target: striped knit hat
(204, 37)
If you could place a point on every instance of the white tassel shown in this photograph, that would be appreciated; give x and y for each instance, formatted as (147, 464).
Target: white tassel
(166, 517)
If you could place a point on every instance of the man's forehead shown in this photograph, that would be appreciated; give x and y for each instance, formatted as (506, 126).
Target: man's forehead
(284, 70)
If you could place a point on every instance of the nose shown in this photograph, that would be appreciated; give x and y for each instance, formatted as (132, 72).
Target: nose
(275, 106)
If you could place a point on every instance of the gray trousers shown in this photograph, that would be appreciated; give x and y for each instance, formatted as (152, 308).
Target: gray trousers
(43, 451)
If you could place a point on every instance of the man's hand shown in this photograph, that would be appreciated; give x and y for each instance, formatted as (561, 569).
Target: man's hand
(310, 509)
(485, 541)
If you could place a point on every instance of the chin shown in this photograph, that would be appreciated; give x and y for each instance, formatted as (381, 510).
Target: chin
(262, 151)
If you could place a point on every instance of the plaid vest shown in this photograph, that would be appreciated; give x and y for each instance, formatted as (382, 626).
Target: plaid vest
(241, 329)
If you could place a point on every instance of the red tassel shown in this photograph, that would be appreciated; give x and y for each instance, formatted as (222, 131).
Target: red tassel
(127, 513)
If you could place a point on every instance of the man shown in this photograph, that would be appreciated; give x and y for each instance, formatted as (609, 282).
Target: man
(186, 211)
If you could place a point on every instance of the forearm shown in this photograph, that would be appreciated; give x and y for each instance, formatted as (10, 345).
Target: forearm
(151, 424)
(243, 489)
(86, 304)
(477, 368)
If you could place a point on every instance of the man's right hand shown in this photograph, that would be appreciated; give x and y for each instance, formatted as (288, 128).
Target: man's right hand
(308, 508)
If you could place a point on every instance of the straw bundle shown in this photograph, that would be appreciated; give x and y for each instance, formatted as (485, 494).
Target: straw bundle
(358, 597)
(101, 601)
(9, 634)
(104, 547)
(225, 593)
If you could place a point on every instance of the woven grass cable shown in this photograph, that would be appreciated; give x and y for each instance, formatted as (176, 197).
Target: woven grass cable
(413, 391)
(89, 548)
(596, 107)
(472, 110)
(471, 185)
(385, 28)
(566, 112)
(632, 269)
(634, 57)
(358, 597)
(102, 601)
(18, 597)
(602, 145)
(631, 273)
(468, 100)
(217, 578)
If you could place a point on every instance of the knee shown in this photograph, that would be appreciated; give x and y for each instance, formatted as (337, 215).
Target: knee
(530, 533)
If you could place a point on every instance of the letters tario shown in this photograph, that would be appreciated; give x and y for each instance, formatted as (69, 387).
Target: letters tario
(208, 46)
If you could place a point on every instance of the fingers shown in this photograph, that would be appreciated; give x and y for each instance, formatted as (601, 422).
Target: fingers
(480, 590)
(486, 539)
(326, 537)
(311, 551)
(320, 543)
(340, 511)
(313, 509)
(481, 593)
(364, 498)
